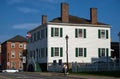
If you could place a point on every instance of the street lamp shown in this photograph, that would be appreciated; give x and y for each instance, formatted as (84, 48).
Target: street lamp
(119, 48)
(66, 37)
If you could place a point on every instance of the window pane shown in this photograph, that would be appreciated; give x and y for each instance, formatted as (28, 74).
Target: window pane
(13, 45)
(56, 31)
(102, 33)
(20, 45)
(13, 54)
(80, 32)
(80, 51)
(20, 54)
(56, 51)
(103, 52)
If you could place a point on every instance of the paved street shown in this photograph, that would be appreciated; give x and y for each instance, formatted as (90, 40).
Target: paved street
(33, 75)
(48, 75)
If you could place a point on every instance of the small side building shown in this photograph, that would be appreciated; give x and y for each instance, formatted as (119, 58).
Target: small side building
(115, 50)
(14, 53)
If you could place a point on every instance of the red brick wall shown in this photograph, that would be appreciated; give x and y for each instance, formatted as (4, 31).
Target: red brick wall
(64, 12)
(16, 59)
(93, 15)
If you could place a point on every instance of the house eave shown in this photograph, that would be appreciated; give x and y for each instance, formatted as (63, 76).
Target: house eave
(72, 24)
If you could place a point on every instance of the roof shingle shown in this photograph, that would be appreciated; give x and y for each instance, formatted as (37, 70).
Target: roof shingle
(17, 38)
(75, 19)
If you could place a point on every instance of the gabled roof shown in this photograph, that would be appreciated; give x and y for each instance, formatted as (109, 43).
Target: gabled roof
(75, 19)
(17, 38)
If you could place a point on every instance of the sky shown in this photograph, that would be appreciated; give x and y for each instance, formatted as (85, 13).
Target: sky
(17, 17)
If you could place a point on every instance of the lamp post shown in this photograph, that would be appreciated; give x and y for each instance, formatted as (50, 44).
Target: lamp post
(119, 48)
(66, 37)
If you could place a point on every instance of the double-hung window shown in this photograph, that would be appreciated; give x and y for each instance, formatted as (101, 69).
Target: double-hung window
(103, 52)
(56, 52)
(12, 45)
(80, 52)
(56, 32)
(20, 54)
(20, 45)
(102, 34)
(12, 54)
(80, 33)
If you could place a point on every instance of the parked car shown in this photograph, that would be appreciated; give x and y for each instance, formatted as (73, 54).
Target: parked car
(10, 70)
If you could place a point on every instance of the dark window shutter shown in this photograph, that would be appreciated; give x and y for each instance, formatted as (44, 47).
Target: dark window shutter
(84, 33)
(76, 50)
(85, 52)
(61, 52)
(52, 32)
(106, 34)
(98, 33)
(52, 51)
(61, 32)
(98, 52)
(107, 51)
(76, 33)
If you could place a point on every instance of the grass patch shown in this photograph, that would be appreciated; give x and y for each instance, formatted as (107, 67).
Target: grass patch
(101, 73)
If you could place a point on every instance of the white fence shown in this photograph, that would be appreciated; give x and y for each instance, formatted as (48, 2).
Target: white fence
(80, 67)
(55, 68)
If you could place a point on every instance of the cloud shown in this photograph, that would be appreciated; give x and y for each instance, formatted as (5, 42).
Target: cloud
(27, 10)
(14, 1)
(27, 26)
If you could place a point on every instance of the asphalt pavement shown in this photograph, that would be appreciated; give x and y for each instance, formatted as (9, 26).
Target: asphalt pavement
(49, 75)
(76, 76)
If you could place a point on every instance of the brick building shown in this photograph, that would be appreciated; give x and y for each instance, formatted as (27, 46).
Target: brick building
(13, 53)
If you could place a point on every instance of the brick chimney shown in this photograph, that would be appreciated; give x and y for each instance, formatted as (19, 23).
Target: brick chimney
(93, 15)
(64, 12)
(44, 19)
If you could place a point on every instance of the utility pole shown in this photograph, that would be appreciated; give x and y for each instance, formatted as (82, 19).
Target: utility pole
(67, 51)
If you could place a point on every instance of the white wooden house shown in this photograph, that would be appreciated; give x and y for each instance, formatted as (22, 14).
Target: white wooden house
(88, 42)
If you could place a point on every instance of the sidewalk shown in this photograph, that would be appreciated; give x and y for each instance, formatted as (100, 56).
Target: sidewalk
(77, 76)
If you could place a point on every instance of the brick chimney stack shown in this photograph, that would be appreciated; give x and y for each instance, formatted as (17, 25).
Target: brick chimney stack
(44, 19)
(93, 15)
(64, 12)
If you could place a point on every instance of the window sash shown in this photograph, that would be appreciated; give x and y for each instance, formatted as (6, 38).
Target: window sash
(20, 45)
(80, 52)
(103, 34)
(56, 52)
(12, 45)
(103, 52)
(20, 54)
(80, 33)
(56, 32)
(12, 54)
